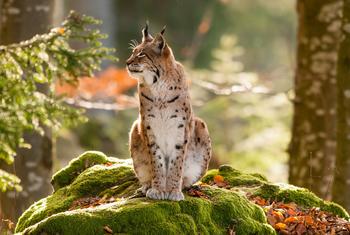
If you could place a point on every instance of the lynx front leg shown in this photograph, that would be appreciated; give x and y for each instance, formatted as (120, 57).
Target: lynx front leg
(158, 184)
(175, 169)
(141, 158)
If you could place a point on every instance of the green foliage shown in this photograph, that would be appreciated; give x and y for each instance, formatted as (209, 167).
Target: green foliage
(29, 71)
(9, 182)
(111, 132)
(247, 119)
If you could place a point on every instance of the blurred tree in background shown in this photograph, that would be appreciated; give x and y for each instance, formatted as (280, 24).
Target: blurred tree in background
(313, 146)
(23, 107)
(28, 105)
(341, 185)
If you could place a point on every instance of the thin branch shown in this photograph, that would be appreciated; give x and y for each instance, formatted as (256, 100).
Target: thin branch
(97, 105)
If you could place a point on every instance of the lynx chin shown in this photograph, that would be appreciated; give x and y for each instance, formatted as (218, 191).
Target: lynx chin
(170, 147)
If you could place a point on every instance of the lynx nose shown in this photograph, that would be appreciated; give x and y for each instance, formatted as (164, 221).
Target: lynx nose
(128, 62)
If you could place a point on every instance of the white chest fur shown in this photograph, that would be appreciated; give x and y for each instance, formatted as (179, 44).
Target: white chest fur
(166, 130)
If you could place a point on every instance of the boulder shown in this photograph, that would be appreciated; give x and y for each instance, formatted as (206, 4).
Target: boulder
(96, 194)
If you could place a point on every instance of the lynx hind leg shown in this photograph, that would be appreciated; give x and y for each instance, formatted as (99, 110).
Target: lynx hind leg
(140, 157)
(198, 154)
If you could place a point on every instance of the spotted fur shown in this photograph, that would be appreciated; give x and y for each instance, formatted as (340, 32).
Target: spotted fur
(170, 147)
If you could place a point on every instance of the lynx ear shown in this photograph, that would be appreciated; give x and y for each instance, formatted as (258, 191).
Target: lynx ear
(163, 30)
(146, 37)
(159, 43)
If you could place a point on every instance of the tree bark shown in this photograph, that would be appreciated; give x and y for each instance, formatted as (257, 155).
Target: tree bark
(341, 186)
(21, 20)
(313, 145)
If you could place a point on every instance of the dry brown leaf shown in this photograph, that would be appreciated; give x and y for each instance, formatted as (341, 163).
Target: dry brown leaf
(308, 220)
(300, 229)
(230, 231)
(197, 193)
(108, 229)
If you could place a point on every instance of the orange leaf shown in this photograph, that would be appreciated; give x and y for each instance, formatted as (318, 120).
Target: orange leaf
(218, 179)
(260, 201)
(291, 212)
(60, 30)
(278, 214)
(309, 220)
(291, 219)
(280, 226)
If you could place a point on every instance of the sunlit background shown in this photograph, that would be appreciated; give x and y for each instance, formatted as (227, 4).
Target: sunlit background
(239, 56)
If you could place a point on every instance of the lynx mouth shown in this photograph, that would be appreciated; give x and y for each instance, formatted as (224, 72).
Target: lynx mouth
(135, 70)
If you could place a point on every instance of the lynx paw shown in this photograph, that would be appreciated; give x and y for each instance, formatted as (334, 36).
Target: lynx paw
(176, 196)
(143, 189)
(155, 194)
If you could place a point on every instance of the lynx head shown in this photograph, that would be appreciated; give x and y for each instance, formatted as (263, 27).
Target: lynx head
(150, 58)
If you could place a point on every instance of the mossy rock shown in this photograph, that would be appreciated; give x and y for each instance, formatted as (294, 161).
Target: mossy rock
(94, 175)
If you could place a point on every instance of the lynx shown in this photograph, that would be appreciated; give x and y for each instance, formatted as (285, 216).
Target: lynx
(170, 147)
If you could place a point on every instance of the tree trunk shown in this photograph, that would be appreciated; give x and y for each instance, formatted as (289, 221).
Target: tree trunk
(20, 20)
(313, 146)
(341, 186)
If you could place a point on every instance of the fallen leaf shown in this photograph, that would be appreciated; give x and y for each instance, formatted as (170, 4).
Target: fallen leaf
(278, 215)
(271, 219)
(260, 201)
(280, 226)
(292, 219)
(108, 163)
(308, 220)
(10, 225)
(218, 179)
(108, 229)
(291, 212)
(197, 193)
(230, 231)
(333, 231)
(220, 182)
(300, 229)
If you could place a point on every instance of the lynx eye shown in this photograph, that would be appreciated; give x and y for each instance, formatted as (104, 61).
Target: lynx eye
(141, 54)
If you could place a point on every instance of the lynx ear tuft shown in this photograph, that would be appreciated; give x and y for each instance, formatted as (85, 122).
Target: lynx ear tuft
(145, 34)
(163, 30)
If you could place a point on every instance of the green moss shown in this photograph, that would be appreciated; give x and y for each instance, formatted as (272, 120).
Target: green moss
(143, 216)
(89, 176)
(91, 182)
(67, 174)
(234, 177)
(335, 209)
(301, 196)
(125, 189)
